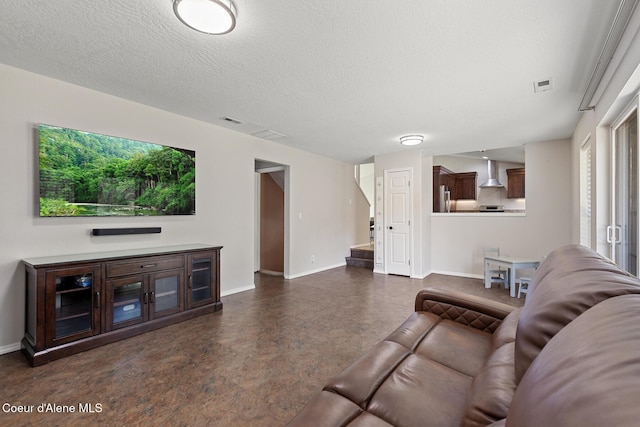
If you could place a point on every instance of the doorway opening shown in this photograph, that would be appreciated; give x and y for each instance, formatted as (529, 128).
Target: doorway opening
(271, 218)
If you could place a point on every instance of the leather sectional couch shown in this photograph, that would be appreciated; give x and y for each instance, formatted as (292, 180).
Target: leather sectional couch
(569, 357)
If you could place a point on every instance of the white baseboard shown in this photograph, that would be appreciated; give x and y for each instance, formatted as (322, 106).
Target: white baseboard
(9, 348)
(420, 277)
(271, 273)
(360, 245)
(455, 273)
(237, 290)
(319, 270)
(380, 270)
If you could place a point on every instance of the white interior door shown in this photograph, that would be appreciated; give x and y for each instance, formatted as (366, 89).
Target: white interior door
(398, 222)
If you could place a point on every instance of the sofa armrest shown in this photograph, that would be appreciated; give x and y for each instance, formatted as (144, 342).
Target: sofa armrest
(470, 310)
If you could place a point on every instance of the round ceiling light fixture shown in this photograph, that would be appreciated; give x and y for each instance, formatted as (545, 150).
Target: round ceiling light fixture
(411, 139)
(206, 16)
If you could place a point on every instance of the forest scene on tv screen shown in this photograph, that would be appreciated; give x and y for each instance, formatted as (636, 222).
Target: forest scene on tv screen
(88, 174)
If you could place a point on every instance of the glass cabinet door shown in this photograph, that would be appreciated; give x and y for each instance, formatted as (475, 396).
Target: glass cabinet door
(166, 295)
(75, 304)
(201, 280)
(126, 303)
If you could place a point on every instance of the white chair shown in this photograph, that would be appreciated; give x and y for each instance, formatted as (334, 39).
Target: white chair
(523, 285)
(497, 275)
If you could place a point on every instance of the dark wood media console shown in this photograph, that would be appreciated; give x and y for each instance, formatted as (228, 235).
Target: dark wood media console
(78, 302)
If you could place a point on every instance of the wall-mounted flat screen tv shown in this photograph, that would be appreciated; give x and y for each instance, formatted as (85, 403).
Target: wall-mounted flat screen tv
(88, 174)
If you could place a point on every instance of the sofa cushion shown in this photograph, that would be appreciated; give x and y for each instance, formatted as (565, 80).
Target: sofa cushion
(419, 375)
(457, 346)
(360, 380)
(570, 281)
(413, 330)
(506, 332)
(492, 389)
(587, 374)
(365, 419)
(421, 393)
(327, 409)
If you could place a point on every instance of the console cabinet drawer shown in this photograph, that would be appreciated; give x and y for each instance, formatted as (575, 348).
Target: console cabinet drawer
(143, 265)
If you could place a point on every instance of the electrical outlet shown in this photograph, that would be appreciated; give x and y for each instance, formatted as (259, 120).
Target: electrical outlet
(313, 259)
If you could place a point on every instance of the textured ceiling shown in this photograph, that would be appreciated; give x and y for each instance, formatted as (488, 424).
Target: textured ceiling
(343, 79)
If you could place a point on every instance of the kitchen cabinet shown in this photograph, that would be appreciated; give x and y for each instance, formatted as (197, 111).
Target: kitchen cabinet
(462, 185)
(466, 185)
(515, 183)
(78, 302)
(442, 176)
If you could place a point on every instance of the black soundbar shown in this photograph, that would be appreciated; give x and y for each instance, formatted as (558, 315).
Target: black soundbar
(119, 231)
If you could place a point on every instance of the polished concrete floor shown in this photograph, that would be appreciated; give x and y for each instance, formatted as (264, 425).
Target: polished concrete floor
(255, 363)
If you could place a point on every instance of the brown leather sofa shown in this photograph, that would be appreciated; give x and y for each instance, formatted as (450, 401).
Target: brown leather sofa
(569, 357)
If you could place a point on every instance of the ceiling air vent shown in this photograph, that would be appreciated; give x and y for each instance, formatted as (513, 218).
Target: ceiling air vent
(542, 85)
(231, 120)
(269, 134)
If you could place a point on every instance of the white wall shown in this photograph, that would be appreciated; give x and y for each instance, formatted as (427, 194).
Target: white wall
(320, 189)
(328, 212)
(457, 240)
(427, 209)
(367, 184)
(362, 216)
(410, 159)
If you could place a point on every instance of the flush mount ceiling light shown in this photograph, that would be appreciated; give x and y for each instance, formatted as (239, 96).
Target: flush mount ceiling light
(206, 16)
(411, 139)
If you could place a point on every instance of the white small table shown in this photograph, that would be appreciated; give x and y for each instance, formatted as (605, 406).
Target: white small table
(511, 263)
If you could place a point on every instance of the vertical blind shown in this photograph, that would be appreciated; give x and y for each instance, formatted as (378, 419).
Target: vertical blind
(585, 194)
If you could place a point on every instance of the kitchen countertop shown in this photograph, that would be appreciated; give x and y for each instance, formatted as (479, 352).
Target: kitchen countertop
(507, 212)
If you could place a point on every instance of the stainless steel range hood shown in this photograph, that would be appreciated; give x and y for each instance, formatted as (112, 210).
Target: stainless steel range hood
(492, 182)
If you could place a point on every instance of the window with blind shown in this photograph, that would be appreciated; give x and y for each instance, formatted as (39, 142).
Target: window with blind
(585, 193)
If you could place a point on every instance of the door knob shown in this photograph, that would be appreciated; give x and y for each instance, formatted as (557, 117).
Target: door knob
(390, 227)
